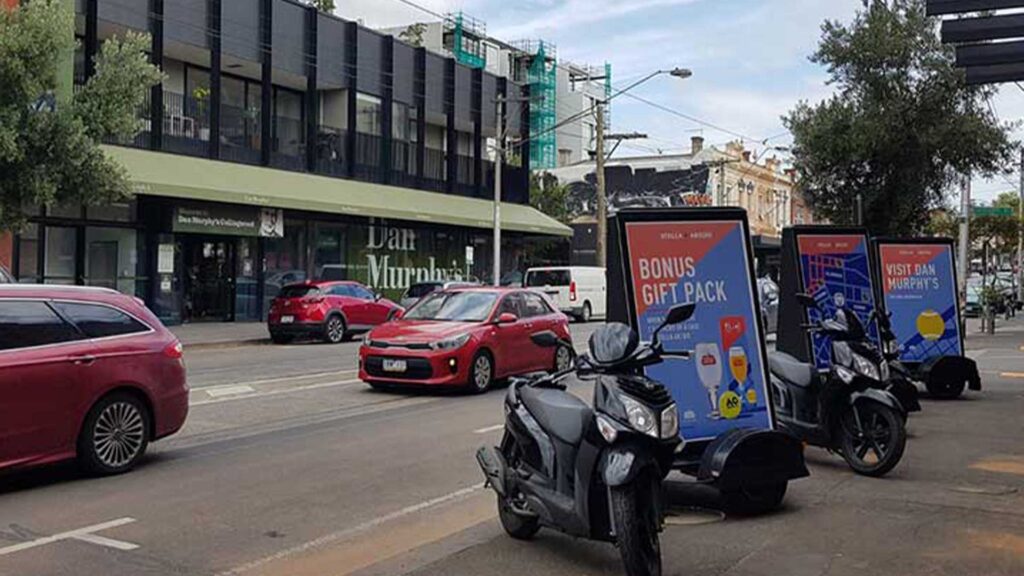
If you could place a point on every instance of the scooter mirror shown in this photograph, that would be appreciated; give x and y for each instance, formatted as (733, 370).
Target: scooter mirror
(680, 313)
(807, 301)
(545, 339)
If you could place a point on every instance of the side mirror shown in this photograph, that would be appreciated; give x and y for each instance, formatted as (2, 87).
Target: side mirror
(507, 318)
(807, 301)
(545, 339)
(398, 314)
(377, 297)
(680, 313)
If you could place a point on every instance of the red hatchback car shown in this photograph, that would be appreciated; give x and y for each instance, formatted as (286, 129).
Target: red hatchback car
(465, 337)
(327, 309)
(87, 373)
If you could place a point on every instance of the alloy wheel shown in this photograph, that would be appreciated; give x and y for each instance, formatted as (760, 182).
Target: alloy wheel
(119, 435)
(335, 329)
(482, 372)
(563, 358)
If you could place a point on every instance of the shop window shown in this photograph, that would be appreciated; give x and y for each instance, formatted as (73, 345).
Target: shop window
(61, 250)
(115, 212)
(284, 260)
(112, 260)
(28, 255)
(329, 252)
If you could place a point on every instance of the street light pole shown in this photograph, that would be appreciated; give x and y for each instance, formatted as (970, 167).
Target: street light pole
(499, 161)
(602, 197)
(1020, 234)
(965, 231)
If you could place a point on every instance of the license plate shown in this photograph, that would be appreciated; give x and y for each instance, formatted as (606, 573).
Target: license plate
(287, 319)
(395, 365)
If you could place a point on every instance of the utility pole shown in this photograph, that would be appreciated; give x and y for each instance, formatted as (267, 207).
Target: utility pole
(965, 231)
(500, 160)
(602, 199)
(860, 209)
(1020, 234)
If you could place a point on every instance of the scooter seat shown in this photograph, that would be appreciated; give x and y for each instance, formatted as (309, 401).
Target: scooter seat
(791, 370)
(559, 413)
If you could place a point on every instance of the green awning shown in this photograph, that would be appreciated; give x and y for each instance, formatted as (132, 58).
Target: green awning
(176, 176)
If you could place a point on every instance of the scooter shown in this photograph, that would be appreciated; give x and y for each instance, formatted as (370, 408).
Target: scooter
(845, 410)
(591, 472)
(901, 381)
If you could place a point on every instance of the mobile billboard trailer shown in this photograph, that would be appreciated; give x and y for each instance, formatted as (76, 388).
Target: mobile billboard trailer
(917, 290)
(659, 258)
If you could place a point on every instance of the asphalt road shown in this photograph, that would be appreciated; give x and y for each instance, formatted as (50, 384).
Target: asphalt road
(289, 466)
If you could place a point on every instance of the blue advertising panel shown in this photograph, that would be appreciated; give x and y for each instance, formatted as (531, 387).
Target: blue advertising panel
(836, 270)
(707, 263)
(919, 290)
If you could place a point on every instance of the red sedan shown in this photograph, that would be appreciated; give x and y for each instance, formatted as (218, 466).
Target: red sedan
(329, 310)
(87, 373)
(465, 337)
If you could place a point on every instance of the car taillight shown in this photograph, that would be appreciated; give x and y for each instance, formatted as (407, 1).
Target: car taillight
(175, 351)
(572, 291)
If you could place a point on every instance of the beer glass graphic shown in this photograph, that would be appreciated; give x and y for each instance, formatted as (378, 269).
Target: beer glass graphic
(709, 370)
(738, 364)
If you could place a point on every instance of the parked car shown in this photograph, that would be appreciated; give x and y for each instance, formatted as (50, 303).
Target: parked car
(579, 291)
(513, 279)
(769, 293)
(333, 311)
(465, 337)
(972, 307)
(85, 373)
(5, 276)
(417, 291)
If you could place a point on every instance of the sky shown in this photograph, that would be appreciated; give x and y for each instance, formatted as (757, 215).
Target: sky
(749, 60)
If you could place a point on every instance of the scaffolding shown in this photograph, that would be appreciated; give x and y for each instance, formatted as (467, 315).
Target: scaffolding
(537, 66)
(463, 37)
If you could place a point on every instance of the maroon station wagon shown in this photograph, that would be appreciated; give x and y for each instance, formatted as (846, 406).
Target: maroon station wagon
(85, 373)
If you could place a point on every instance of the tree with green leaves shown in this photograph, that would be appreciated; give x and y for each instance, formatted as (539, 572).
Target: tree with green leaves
(413, 34)
(901, 130)
(323, 5)
(49, 152)
(550, 197)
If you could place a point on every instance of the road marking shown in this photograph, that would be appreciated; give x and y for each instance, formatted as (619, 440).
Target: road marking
(280, 379)
(355, 530)
(1003, 465)
(81, 534)
(489, 429)
(975, 354)
(1012, 374)
(278, 392)
(220, 391)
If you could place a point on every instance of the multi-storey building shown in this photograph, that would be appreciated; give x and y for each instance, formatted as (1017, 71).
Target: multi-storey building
(562, 128)
(285, 144)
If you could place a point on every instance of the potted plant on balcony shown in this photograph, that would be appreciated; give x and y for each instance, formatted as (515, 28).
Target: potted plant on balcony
(201, 95)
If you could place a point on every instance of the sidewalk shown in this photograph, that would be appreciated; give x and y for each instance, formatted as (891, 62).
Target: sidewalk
(221, 334)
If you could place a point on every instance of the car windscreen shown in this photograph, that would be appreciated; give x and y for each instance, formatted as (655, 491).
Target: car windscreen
(298, 291)
(454, 307)
(540, 278)
(421, 290)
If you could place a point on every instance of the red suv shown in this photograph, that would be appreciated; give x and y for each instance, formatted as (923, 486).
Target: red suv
(326, 309)
(465, 337)
(87, 373)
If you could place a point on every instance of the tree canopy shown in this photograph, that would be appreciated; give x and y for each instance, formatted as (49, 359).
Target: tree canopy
(550, 197)
(323, 5)
(49, 153)
(902, 129)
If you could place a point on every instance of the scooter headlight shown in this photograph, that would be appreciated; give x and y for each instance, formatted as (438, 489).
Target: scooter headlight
(866, 367)
(670, 422)
(640, 417)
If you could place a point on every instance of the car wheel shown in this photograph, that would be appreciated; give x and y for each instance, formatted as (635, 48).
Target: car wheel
(563, 358)
(586, 313)
(115, 435)
(481, 373)
(334, 330)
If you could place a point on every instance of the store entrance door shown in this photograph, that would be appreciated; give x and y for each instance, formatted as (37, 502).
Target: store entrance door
(209, 279)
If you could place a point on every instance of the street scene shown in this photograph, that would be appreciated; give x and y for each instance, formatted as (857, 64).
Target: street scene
(443, 288)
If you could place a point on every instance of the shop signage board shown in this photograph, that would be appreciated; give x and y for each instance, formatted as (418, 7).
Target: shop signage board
(833, 265)
(228, 220)
(660, 258)
(919, 289)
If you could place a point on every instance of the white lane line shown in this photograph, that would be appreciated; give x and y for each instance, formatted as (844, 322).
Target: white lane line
(488, 429)
(277, 392)
(82, 534)
(280, 379)
(349, 532)
(221, 391)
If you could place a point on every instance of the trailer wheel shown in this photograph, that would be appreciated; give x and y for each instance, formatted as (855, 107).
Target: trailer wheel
(755, 500)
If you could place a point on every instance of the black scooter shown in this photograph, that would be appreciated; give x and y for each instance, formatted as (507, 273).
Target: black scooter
(901, 381)
(847, 409)
(591, 472)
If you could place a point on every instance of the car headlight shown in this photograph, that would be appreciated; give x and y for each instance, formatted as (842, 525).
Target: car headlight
(451, 343)
(366, 339)
(640, 417)
(866, 367)
(670, 422)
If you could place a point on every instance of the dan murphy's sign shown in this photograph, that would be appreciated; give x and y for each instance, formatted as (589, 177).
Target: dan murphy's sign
(229, 221)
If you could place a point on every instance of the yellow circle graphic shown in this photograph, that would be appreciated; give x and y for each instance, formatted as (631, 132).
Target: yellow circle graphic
(730, 405)
(751, 396)
(931, 325)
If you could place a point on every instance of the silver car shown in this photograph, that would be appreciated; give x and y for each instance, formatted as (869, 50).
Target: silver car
(768, 290)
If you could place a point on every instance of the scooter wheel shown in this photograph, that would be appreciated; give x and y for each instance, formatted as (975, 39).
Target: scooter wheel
(637, 526)
(875, 446)
(516, 525)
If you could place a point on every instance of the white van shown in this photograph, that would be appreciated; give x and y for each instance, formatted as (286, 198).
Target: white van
(579, 291)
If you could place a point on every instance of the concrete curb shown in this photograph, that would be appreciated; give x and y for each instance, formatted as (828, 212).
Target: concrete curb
(226, 344)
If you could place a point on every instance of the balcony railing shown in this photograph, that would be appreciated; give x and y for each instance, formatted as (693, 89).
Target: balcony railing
(186, 125)
(142, 138)
(434, 170)
(289, 144)
(240, 134)
(465, 184)
(403, 163)
(368, 157)
(330, 151)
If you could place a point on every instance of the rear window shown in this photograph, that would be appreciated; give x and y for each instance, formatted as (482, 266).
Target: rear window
(540, 278)
(299, 291)
(421, 290)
